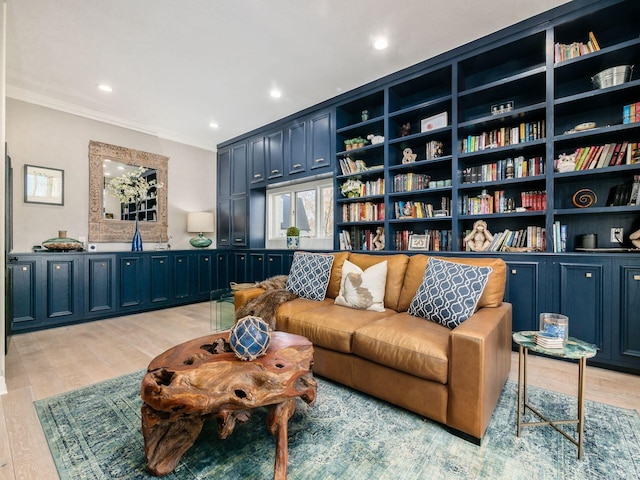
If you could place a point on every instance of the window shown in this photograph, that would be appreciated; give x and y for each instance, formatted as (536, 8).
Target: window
(308, 206)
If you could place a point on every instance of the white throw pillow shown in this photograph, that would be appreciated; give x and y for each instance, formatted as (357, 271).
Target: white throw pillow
(363, 290)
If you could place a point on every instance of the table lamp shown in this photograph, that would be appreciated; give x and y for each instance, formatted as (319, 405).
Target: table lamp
(200, 222)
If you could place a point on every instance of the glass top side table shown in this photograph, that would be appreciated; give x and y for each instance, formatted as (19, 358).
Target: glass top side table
(574, 349)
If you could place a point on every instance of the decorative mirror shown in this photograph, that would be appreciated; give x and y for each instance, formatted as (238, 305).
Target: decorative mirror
(111, 221)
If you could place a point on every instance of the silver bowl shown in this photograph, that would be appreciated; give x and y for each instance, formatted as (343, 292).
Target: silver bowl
(613, 76)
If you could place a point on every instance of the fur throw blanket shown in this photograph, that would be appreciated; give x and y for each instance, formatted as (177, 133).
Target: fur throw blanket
(266, 305)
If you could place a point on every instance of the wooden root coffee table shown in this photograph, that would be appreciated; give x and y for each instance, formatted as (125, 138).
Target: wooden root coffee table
(192, 382)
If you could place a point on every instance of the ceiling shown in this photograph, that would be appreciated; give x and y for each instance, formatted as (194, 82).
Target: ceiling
(177, 66)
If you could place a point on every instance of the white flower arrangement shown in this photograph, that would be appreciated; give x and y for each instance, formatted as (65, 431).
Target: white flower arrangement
(131, 187)
(351, 188)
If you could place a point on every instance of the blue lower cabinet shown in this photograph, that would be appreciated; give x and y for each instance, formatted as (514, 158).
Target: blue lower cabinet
(133, 280)
(523, 292)
(240, 271)
(626, 339)
(222, 270)
(257, 267)
(100, 285)
(181, 277)
(204, 274)
(160, 279)
(24, 293)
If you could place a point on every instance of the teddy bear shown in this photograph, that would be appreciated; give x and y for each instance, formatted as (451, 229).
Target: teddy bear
(566, 163)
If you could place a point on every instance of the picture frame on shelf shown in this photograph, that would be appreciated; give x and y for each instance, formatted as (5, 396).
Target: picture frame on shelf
(434, 122)
(417, 242)
(43, 185)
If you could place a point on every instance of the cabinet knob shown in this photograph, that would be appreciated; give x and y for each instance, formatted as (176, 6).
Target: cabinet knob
(588, 275)
(271, 259)
(636, 277)
(242, 257)
(12, 259)
(103, 264)
(514, 271)
(206, 259)
(257, 175)
(24, 269)
(259, 259)
(297, 165)
(318, 160)
(57, 267)
(128, 264)
(275, 171)
(238, 239)
(179, 260)
(161, 261)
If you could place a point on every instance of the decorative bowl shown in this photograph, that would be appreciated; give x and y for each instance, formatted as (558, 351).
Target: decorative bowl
(613, 76)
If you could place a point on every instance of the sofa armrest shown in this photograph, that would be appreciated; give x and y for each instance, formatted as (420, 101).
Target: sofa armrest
(479, 364)
(240, 297)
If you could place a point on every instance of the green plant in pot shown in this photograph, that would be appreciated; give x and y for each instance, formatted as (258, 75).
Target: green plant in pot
(293, 237)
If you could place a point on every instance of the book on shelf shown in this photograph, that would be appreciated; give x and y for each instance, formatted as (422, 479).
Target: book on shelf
(607, 155)
(567, 51)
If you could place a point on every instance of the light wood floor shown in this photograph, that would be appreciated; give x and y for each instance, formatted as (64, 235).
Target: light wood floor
(45, 363)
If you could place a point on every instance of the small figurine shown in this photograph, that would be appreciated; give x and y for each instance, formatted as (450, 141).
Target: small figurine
(378, 239)
(566, 163)
(375, 139)
(408, 156)
(405, 129)
(479, 238)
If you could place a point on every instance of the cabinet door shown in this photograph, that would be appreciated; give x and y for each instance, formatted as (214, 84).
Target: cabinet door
(204, 284)
(132, 282)
(523, 293)
(100, 285)
(25, 295)
(257, 160)
(239, 170)
(222, 270)
(224, 173)
(275, 265)
(257, 267)
(296, 148)
(580, 297)
(224, 222)
(239, 221)
(240, 268)
(181, 283)
(275, 154)
(320, 141)
(628, 339)
(63, 289)
(160, 281)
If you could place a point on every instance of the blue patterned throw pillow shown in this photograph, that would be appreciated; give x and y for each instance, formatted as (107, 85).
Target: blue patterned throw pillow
(309, 275)
(449, 292)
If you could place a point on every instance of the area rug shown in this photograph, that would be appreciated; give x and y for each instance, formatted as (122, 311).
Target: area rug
(94, 433)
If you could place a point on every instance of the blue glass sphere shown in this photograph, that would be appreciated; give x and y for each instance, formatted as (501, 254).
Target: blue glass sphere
(250, 338)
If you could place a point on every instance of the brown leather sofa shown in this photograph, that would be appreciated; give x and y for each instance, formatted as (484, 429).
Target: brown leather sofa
(451, 376)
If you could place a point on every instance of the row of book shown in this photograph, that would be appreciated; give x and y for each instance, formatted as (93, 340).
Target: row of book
(408, 182)
(349, 166)
(414, 209)
(518, 167)
(501, 137)
(531, 238)
(631, 113)
(567, 51)
(608, 155)
(498, 202)
(362, 239)
(363, 212)
(434, 149)
(559, 237)
(433, 240)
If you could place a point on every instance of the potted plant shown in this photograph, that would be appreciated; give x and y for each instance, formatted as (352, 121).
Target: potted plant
(348, 144)
(359, 142)
(293, 237)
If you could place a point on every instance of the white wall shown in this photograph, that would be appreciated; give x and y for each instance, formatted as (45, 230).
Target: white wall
(45, 137)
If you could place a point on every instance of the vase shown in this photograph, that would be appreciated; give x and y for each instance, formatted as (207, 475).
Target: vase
(293, 242)
(62, 243)
(136, 243)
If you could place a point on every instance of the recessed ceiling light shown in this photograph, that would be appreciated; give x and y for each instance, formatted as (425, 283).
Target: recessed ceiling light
(380, 43)
(105, 88)
(214, 125)
(275, 93)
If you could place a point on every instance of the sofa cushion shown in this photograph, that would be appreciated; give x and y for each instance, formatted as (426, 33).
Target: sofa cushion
(396, 267)
(406, 343)
(295, 306)
(493, 292)
(363, 290)
(336, 273)
(309, 275)
(332, 326)
(449, 292)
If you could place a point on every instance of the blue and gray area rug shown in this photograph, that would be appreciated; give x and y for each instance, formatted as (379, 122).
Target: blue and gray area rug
(94, 433)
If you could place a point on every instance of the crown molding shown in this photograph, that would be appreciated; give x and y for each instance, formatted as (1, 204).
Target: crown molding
(28, 96)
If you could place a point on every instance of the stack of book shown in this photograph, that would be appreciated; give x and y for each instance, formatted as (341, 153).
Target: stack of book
(546, 340)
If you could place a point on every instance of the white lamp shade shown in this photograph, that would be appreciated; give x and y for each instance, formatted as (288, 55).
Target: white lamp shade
(200, 222)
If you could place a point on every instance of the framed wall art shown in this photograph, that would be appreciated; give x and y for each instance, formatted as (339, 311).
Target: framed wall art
(43, 185)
